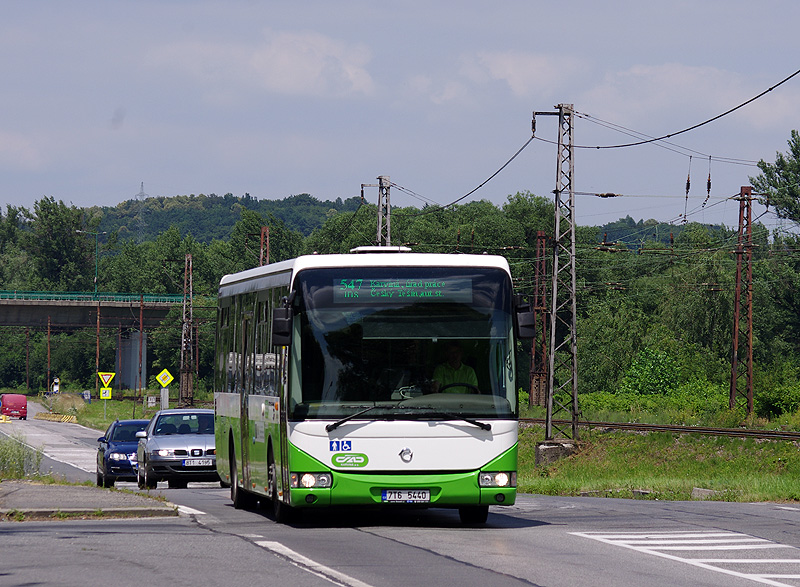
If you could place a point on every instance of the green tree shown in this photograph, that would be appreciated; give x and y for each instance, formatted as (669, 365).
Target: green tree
(779, 182)
(60, 258)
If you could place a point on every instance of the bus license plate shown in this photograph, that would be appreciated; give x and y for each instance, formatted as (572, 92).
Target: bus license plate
(406, 495)
(197, 462)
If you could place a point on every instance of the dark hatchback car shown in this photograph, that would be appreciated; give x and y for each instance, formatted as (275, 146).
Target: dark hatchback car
(177, 446)
(116, 452)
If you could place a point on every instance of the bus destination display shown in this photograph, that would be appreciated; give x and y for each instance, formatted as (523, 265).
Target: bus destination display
(402, 290)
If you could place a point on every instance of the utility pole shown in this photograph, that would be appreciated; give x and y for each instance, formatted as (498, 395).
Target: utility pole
(187, 343)
(538, 391)
(263, 258)
(743, 338)
(562, 382)
(384, 212)
(96, 236)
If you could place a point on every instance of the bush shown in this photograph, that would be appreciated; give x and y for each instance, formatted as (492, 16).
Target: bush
(695, 401)
(776, 401)
(652, 373)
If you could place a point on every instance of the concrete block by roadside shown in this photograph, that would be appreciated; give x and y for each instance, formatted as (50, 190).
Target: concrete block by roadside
(552, 450)
(700, 493)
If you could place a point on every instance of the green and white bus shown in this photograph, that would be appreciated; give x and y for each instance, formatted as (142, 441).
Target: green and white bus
(326, 389)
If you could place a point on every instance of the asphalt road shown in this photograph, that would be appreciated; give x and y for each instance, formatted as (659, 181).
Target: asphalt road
(541, 540)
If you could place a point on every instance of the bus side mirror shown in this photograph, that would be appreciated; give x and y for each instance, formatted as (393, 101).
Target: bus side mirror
(525, 322)
(281, 326)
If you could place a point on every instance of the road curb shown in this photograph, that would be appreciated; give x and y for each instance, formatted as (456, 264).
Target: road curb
(26, 515)
(24, 500)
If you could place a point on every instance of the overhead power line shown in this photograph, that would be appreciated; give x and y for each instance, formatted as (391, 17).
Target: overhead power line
(472, 191)
(669, 146)
(694, 126)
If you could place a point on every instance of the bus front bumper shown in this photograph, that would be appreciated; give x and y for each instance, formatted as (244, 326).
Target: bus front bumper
(423, 490)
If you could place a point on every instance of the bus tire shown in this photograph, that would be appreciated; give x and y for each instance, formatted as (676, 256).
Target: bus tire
(473, 514)
(238, 495)
(281, 512)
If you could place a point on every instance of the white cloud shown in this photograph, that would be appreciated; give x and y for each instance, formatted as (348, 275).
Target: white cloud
(18, 152)
(311, 63)
(643, 95)
(288, 63)
(526, 74)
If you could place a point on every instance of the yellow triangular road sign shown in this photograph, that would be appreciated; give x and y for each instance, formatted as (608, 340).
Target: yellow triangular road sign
(106, 378)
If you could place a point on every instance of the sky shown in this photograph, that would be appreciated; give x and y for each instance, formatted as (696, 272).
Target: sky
(100, 100)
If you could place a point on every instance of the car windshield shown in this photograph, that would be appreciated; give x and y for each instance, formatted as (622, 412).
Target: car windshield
(187, 423)
(127, 432)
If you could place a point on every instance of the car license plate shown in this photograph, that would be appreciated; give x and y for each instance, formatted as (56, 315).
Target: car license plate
(406, 495)
(197, 462)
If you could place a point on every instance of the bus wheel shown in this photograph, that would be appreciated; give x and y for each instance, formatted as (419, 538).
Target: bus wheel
(237, 493)
(474, 514)
(281, 512)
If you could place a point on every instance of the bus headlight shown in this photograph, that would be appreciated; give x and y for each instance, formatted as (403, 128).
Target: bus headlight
(497, 479)
(311, 480)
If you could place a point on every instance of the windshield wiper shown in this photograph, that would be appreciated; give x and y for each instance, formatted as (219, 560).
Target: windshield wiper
(482, 425)
(335, 425)
(437, 412)
(433, 411)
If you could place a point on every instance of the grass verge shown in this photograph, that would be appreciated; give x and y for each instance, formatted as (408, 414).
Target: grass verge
(17, 459)
(665, 466)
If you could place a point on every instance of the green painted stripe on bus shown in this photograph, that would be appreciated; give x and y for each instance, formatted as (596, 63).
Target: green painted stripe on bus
(447, 489)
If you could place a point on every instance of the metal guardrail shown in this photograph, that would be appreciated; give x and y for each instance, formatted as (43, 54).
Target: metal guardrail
(91, 297)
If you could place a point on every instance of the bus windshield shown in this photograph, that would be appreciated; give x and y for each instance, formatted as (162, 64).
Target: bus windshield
(402, 342)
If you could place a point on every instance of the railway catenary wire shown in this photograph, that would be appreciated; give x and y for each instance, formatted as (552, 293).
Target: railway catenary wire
(706, 430)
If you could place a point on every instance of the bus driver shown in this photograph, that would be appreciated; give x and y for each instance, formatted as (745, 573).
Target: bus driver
(453, 371)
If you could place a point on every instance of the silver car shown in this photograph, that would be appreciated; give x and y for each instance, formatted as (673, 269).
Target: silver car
(177, 446)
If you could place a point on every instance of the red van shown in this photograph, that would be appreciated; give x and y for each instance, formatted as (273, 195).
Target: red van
(14, 405)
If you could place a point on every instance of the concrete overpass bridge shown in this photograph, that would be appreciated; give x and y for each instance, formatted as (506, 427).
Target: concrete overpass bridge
(130, 315)
(76, 310)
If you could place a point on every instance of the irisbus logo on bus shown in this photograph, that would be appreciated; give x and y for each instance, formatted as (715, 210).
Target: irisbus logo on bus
(350, 459)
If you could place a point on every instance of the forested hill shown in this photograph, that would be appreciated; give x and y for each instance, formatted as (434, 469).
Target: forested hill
(209, 217)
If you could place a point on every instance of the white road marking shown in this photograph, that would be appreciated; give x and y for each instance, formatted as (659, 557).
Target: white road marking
(658, 543)
(189, 511)
(311, 566)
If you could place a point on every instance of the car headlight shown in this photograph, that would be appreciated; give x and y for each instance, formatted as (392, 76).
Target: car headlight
(497, 479)
(311, 480)
(117, 456)
(164, 452)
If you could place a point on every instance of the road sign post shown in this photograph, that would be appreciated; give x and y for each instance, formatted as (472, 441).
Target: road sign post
(165, 378)
(105, 390)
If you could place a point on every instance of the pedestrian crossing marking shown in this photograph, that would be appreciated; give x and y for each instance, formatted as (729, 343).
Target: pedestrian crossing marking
(681, 545)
